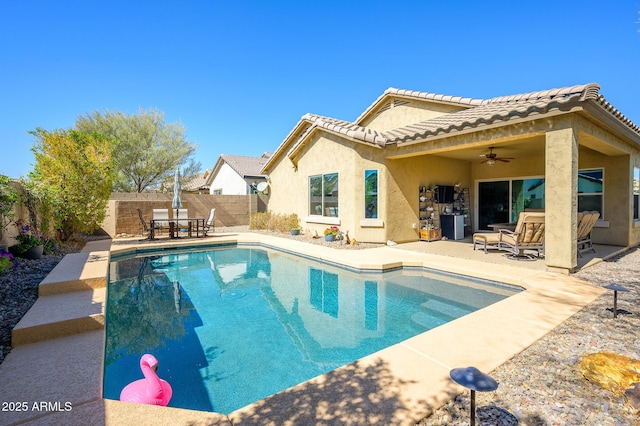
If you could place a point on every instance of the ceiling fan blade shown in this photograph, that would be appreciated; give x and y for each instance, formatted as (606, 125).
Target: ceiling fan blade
(504, 160)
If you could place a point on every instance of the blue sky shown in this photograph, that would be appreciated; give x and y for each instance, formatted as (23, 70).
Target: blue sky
(239, 75)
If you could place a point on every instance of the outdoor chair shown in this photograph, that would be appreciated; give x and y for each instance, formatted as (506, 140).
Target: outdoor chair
(145, 228)
(158, 216)
(586, 222)
(210, 223)
(183, 223)
(528, 235)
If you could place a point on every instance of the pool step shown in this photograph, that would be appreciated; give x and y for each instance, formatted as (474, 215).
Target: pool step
(76, 272)
(71, 298)
(61, 315)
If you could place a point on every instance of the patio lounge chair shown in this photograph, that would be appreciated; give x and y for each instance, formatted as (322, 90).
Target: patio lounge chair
(210, 223)
(528, 235)
(586, 222)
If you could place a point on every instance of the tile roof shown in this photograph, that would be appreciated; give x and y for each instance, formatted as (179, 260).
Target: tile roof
(246, 166)
(505, 108)
(477, 113)
(198, 182)
(489, 111)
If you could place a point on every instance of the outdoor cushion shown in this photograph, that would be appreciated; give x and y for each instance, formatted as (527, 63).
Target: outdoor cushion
(486, 240)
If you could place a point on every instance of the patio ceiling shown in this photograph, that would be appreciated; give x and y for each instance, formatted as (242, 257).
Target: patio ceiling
(521, 148)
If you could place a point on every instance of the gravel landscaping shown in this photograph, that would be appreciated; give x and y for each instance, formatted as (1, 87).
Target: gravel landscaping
(539, 386)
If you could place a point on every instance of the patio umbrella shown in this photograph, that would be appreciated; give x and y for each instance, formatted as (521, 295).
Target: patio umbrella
(176, 203)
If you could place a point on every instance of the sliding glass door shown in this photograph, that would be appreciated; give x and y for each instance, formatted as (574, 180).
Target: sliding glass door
(502, 201)
(493, 203)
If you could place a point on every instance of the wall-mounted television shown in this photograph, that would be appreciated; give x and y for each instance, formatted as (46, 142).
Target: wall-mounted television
(446, 194)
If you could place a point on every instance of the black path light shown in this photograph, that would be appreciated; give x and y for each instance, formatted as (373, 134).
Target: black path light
(476, 380)
(616, 288)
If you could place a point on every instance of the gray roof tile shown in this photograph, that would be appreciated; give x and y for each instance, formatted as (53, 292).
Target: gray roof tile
(246, 166)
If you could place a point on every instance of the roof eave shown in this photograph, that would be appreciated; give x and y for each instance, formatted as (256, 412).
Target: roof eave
(304, 120)
(214, 171)
(611, 117)
(391, 93)
(291, 154)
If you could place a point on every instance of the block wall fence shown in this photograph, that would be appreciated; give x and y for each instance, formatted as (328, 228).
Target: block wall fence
(231, 210)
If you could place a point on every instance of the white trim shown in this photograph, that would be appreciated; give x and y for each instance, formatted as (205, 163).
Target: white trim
(372, 223)
(325, 220)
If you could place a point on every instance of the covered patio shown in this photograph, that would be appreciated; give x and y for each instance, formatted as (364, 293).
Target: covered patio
(561, 151)
(463, 250)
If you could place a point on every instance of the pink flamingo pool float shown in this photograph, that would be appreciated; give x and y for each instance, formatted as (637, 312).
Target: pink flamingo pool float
(150, 390)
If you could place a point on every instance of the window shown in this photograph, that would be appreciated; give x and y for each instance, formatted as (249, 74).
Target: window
(590, 184)
(371, 194)
(323, 195)
(636, 192)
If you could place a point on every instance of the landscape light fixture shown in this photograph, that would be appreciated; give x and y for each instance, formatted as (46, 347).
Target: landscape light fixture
(476, 380)
(616, 288)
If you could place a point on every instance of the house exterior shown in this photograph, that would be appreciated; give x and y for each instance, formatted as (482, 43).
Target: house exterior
(571, 151)
(237, 174)
(197, 185)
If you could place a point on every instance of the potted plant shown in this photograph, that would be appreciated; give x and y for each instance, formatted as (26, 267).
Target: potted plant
(331, 233)
(295, 231)
(30, 243)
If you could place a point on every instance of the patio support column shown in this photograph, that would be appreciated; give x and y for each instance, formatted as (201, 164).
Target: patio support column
(561, 199)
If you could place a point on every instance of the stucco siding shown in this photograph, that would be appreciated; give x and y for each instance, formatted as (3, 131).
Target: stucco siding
(415, 141)
(408, 175)
(400, 113)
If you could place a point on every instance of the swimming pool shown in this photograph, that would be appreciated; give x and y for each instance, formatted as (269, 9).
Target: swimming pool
(233, 325)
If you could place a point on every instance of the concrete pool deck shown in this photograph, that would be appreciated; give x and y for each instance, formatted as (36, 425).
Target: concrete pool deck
(53, 375)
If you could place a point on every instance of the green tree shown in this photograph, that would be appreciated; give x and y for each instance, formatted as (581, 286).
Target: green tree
(147, 150)
(73, 174)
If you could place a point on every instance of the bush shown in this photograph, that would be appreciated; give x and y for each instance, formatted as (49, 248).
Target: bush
(7, 261)
(274, 221)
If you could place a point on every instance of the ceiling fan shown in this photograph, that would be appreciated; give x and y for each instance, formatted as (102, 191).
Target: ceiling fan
(491, 158)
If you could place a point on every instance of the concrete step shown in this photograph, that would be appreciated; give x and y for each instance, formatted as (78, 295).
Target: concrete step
(61, 315)
(71, 299)
(77, 272)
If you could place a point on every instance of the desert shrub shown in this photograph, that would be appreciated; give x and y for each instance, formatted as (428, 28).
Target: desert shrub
(7, 261)
(274, 221)
(259, 220)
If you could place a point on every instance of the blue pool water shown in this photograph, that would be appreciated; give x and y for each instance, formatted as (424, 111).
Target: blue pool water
(231, 326)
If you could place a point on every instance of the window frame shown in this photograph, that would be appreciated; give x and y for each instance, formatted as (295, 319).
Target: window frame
(635, 193)
(371, 213)
(591, 194)
(326, 205)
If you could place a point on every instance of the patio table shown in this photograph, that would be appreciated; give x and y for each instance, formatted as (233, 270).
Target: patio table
(193, 222)
(499, 226)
